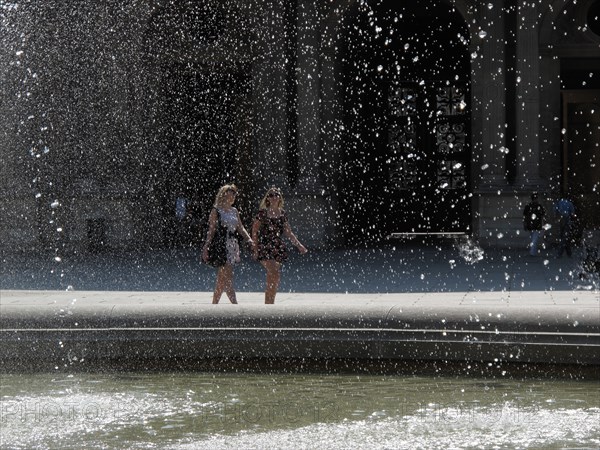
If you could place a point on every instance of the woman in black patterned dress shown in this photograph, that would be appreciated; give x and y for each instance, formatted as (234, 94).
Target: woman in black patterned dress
(270, 224)
(225, 216)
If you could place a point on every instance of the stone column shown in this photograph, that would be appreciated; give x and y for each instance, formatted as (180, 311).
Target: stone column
(308, 81)
(331, 114)
(528, 99)
(489, 81)
(307, 204)
(488, 84)
(549, 142)
(269, 97)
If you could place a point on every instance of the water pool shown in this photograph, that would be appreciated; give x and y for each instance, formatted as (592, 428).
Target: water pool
(220, 410)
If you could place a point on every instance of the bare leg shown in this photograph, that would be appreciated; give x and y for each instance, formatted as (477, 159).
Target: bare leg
(229, 289)
(224, 284)
(219, 286)
(273, 269)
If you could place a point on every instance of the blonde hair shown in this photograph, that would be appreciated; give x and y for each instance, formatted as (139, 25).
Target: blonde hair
(265, 202)
(220, 198)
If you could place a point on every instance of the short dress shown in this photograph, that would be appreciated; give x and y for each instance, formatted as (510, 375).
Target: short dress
(229, 220)
(270, 243)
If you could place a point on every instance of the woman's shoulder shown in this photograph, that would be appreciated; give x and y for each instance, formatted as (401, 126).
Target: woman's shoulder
(261, 214)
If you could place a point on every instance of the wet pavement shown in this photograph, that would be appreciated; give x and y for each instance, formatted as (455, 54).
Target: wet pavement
(396, 267)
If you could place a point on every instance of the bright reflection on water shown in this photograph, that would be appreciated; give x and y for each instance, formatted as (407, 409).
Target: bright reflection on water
(190, 410)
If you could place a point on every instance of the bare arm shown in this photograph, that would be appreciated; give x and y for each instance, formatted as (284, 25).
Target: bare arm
(255, 230)
(212, 227)
(242, 230)
(287, 231)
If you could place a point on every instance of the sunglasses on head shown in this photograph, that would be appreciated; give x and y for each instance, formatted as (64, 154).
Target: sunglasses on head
(273, 194)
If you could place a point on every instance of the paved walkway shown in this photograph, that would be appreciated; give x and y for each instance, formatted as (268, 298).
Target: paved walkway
(69, 301)
(397, 267)
(398, 302)
(119, 329)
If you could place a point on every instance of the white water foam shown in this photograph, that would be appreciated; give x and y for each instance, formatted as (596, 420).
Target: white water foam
(506, 427)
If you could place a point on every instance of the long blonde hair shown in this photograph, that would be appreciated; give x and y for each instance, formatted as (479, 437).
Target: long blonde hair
(220, 197)
(265, 202)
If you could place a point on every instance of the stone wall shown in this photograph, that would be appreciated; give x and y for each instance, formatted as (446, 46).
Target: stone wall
(73, 114)
(84, 143)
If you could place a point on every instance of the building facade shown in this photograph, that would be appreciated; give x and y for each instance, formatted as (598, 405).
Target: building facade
(374, 117)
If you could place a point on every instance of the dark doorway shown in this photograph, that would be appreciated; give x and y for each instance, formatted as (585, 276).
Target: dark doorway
(202, 112)
(201, 109)
(429, 158)
(581, 155)
(407, 115)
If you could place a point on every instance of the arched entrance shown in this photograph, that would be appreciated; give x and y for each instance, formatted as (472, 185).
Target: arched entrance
(406, 108)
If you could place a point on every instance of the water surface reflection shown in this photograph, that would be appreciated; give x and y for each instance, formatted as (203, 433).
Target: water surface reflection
(192, 410)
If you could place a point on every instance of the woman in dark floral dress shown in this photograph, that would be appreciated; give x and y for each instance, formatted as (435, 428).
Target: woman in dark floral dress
(270, 224)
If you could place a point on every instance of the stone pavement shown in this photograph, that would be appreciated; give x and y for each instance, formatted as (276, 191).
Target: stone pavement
(393, 303)
(395, 267)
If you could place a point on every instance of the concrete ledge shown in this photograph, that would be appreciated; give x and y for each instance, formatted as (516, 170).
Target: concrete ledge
(46, 330)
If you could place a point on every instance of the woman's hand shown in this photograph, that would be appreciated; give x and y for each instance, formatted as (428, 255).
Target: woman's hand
(301, 248)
